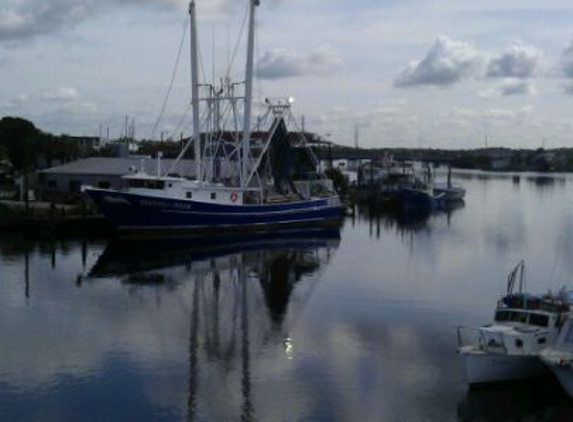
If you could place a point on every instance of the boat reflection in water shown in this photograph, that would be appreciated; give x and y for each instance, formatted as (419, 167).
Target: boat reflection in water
(246, 293)
(539, 399)
(410, 221)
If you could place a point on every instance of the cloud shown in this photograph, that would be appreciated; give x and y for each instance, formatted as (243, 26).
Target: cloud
(507, 114)
(17, 102)
(281, 63)
(518, 61)
(567, 62)
(27, 19)
(447, 63)
(517, 88)
(568, 88)
(510, 87)
(62, 95)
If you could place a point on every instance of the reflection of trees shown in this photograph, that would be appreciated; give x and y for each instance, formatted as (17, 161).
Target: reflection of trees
(279, 275)
(547, 182)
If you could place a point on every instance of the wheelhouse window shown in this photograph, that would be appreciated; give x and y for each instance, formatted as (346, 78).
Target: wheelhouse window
(518, 317)
(136, 183)
(213, 195)
(155, 184)
(146, 184)
(189, 195)
(502, 316)
(511, 316)
(539, 320)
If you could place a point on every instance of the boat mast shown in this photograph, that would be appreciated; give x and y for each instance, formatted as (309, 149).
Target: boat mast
(248, 95)
(195, 92)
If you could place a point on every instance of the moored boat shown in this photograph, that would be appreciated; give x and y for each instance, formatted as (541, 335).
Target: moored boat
(243, 181)
(448, 191)
(508, 348)
(399, 185)
(559, 357)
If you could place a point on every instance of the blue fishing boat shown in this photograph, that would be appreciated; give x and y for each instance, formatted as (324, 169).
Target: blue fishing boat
(244, 180)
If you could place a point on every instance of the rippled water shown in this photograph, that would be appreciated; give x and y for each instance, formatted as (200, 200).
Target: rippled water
(325, 325)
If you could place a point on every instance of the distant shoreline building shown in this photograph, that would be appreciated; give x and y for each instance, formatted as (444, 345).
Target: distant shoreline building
(103, 172)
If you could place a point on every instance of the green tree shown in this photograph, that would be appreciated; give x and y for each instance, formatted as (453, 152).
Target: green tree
(19, 137)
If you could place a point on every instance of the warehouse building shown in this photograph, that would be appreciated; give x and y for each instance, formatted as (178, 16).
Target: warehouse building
(103, 173)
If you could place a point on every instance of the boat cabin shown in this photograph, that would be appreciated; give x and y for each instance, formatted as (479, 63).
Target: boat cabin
(184, 189)
(526, 317)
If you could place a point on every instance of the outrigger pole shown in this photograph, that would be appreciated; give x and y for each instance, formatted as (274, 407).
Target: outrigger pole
(195, 92)
(248, 96)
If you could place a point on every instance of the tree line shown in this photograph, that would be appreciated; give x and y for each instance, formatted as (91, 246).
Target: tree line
(26, 147)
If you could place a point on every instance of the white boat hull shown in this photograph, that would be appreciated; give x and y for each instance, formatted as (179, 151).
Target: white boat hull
(482, 367)
(565, 377)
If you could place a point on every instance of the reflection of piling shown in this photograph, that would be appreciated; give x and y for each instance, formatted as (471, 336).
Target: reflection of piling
(449, 177)
(247, 414)
(193, 355)
(53, 252)
(84, 253)
(27, 272)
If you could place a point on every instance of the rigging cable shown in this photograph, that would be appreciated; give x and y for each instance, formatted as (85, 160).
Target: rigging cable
(236, 49)
(173, 75)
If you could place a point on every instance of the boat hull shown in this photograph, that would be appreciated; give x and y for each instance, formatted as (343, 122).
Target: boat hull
(565, 377)
(562, 369)
(415, 199)
(130, 212)
(485, 368)
(450, 194)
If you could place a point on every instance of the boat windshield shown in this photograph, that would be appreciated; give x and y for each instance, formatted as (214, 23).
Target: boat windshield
(147, 184)
(539, 320)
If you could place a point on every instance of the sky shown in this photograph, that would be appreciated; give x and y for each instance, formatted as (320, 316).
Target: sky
(400, 73)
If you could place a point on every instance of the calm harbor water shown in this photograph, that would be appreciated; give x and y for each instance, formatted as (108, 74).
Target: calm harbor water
(326, 325)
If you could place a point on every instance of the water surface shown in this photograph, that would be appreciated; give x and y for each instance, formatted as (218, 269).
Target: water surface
(321, 325)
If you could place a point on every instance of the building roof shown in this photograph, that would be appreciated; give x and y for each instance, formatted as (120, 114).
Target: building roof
(102, 166)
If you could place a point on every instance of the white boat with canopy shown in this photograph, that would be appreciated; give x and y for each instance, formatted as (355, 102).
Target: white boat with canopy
(508, 348)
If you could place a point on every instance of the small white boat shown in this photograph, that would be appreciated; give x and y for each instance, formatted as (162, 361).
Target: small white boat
(448, 191)
(508, 349)
(559, 357)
